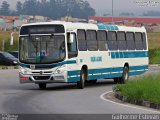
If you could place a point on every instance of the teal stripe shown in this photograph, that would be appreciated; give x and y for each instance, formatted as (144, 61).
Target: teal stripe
(117, 54)
(107, 76)
(51, 65)
(72, 73)
(112, 27)
(116, 28)
(106, 70)
(102, 27)
(121, 54)
(107, 27)
(74, 79)
(112, 75)
(138, 54)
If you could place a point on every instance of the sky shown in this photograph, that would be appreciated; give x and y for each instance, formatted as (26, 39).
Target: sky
(105, 6)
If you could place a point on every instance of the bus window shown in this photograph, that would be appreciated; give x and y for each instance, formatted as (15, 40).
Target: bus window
(102, 40)
(82, 44)
(122, 44)
(92, 43)
(144, 41)
(112, 41)
(72, 45)
(130, 41)
(138, 41)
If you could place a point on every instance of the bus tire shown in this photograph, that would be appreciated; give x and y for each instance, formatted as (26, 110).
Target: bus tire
(42, 85)
(125, 75)
(83, 76)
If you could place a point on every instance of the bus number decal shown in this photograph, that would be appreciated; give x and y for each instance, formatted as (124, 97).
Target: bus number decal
(96, 59)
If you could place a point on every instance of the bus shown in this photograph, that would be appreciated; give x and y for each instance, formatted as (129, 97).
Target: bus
(67, 52)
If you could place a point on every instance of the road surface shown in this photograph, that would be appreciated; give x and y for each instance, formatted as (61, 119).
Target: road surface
(19, 98)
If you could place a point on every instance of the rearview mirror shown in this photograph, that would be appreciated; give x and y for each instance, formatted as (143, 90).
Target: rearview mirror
(72, 37)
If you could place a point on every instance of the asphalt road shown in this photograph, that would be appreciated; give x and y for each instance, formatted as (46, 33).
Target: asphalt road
(19, 98)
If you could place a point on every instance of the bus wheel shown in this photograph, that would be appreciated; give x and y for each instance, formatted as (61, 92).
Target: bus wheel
(125, 75)
(42, 85)
(83, 76)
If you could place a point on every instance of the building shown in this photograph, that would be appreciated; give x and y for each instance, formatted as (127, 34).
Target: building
(7, 22)
(12, 22)
(142, 20)
(151, 24)
(71, 19)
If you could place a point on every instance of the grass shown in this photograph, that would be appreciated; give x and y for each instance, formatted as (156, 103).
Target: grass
(144, 88)
(154, 56)
(6, 67)
(154, 40)
(5, 35)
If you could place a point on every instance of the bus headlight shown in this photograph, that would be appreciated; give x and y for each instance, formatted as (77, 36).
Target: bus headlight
(61, 69)
(23, 70)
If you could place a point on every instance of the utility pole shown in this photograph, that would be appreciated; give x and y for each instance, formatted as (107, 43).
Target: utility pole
(2, 45)
(11, 39)
(112, 13)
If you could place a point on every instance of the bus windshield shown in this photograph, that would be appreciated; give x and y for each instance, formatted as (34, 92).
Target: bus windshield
(42, 49)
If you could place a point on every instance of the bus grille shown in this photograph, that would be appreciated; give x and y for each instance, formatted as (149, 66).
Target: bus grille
(41, 77)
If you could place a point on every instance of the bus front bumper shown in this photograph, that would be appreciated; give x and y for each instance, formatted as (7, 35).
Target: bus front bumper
(54, 78)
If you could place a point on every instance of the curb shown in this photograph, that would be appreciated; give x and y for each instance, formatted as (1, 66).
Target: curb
(154, 65)
(140, 103)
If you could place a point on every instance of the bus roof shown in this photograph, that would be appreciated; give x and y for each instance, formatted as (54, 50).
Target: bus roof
(91, 26)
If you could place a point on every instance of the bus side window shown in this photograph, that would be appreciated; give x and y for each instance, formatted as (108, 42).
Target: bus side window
(102, 40)
(92, 43)
(112, 40)
(138, 41)
(144, 41)
(82, 43)
(121, 38)
(72, 45)
(130, 41)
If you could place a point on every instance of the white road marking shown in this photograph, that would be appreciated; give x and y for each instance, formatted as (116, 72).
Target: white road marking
(128, 105)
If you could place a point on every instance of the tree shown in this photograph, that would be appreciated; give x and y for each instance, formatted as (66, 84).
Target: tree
(30, 7)
(19, 8)
(56, 8)
(152, 13)
(124, 14)
(79, 9)
(4, 9)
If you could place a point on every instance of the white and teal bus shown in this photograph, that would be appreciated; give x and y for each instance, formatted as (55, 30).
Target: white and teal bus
(65, 52)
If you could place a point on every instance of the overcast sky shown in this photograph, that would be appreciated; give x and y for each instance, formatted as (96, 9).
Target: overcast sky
(105, 6)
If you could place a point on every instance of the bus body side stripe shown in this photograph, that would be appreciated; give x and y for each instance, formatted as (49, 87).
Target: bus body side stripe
(74, 76)
(138, 54)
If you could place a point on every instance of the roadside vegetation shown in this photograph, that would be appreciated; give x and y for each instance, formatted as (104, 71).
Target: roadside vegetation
(143, 89)
(154, 56)
(8, 67)
(154, 47)
(5, 36)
